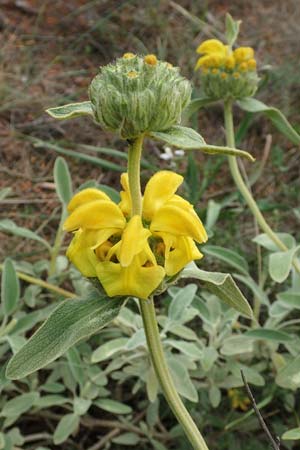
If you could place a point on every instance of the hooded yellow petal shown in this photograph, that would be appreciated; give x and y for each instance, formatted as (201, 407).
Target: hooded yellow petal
(179, 251)
(83, 257)
(179, 222)
(97, 214)
(212, 46)
(125, 203)
(135, 280)
(159, 189)
(134, 240)
(85, 196)
(242, 54)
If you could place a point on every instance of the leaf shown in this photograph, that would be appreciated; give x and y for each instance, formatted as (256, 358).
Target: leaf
(8, 226)
(222, 285)
(289, 376)
(214, 394)
(112, 406)
(66, 426)
(278, 119)
(63, 182)
(188, 348)
(75, 365)
(264, 241)
(209, 357)
(212, 213)
(182, 380)
(108, 349)
(189, 139)
(232, 29)
(196, 104)
(10, 287)
(280, 264)
(181, 301)
(230, 257)
(255, 288)
(290, 299)
(71, 110)
(269, 335)
(70, 322)
(237, 345)
(19, 405)
(291, 435)
(81, 405)
(51, 400)
(127, 439)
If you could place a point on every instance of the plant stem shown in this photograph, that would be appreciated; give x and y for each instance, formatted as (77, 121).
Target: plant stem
(57, 244)
(242, 187)
(134, 163)
(44, 284)
(149, 316)
(164, 376)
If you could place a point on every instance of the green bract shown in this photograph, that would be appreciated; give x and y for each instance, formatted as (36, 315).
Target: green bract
(221, 85)
(136, 95)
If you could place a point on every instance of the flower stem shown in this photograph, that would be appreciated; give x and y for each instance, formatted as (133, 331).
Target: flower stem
(134, 163)
(241, 185)
(164, 376)
(149, 317)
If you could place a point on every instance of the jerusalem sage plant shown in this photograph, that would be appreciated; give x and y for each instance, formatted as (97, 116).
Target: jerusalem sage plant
(143, 244)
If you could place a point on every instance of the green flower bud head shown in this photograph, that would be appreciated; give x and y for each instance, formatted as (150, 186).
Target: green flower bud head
(135, 95)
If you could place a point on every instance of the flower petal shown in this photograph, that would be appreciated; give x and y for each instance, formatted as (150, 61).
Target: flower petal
(134, 280)
(125, 203)
(211, 46)
(159, 189)
(242, 54)
(134, 240)
(97, 214)
(179, 222)
(179, 251)
(85, 196)
(83, 257)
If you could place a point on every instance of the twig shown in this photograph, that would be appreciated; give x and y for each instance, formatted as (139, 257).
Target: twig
(105, 439)
(275, 445)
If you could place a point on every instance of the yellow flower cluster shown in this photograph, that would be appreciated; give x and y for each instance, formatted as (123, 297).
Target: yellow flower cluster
(238, 399)
(131, 255)
(216, 55)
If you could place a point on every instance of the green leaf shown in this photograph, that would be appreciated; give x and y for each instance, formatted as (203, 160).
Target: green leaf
(214, 394)
(209, 357)
(71, 110)
(255, 288)
(66, 426)
(291, 435)
(230, 257)
(290, 299)
(108, 349)
(265, 241)
(81, 405)
(182, 380)
(8, 226)
(280, 264)
(51, 400)
(266, 334)
(189, 139)
(278, 119)
(289, 375)
(70, 322)
(113, 406)
(181, 301)
(237, 345)
(63, 182)
(188, 348)
(222, 285)
(212, 213)
(127, 439)
(19, 405)
(232, 29)
(75, 365)
(10, 287)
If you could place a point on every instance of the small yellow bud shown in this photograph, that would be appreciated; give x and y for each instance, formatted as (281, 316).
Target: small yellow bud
(223, 75)
(205, 70)
(215, 71)
(229, 62)
(251, 64)
(151, 60)
(132, 74)
(236, 75)
(128, 55)
(170, 66)
(243, 67)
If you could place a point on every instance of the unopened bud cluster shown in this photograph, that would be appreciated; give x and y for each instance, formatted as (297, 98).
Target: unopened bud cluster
(226, 73)
(135, 95)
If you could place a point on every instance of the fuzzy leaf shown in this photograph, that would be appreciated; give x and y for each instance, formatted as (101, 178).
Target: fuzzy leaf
(10, 287)
(188, 139)
(278, 119)
(63, 182)
(70, 322)
(71, 110)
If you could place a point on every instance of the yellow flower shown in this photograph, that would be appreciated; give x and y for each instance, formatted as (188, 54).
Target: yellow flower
(238, 399)
(215, 53)
(131, 255)
(243, 54)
